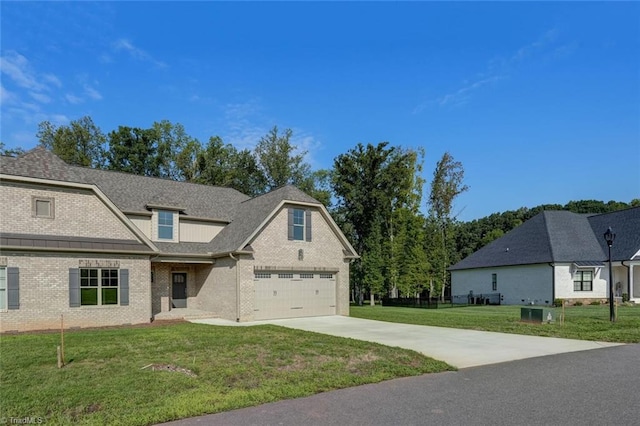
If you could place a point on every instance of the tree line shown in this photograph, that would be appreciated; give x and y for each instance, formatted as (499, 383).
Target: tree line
(374, 192)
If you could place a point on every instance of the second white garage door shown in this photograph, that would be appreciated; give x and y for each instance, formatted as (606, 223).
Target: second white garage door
(297, 294)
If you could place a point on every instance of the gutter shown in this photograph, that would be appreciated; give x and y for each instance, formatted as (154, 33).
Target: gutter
(553, 283)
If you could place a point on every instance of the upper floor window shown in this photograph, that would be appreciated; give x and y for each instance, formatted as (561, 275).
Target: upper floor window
(494, 282)
(165, 225)
(299, 224)
(583, 280)
(42, 207)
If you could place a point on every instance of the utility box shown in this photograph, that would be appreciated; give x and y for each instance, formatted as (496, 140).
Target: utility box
(537, 315)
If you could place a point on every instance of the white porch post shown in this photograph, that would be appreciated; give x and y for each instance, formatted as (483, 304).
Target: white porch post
(631, 282)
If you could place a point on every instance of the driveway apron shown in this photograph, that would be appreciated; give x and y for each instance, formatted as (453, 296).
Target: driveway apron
(457, 347)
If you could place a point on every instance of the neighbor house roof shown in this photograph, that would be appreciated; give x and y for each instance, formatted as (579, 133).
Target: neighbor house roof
(560, 236)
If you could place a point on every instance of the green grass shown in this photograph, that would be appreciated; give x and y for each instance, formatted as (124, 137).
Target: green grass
(582, 322)
(104, 381)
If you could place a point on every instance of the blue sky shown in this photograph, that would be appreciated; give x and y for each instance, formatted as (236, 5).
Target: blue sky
(539, 101)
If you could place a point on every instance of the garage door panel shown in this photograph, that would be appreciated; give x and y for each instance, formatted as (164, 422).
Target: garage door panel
(303, 295)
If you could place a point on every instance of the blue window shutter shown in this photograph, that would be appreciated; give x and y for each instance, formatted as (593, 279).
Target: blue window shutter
(290, 226)
(124, 287)
(13, 288)
(307, 224)
(74, 288)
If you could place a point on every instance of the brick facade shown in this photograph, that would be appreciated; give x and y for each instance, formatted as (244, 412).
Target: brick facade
(44, 294)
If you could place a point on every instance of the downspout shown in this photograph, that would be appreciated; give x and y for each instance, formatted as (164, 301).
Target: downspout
(237, 288)
(553, 283)
(629, 279)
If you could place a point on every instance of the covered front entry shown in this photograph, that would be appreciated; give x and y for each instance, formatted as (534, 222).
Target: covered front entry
(179, 290)
(294, 294)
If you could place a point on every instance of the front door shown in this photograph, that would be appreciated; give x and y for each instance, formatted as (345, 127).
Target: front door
(179, 290)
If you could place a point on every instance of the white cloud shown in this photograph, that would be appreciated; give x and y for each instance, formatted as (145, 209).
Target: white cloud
(40, 97)
(5, 95)
(92, 93)
(496, 69)
(73, 99)
(137, 53)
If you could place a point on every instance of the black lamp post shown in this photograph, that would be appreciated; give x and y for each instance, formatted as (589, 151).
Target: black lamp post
(609, 236)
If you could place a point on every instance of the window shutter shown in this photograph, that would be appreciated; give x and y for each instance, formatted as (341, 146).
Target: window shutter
(13, 288)
(124, 287)
(74, 288)
(290, 226)
(307, 224)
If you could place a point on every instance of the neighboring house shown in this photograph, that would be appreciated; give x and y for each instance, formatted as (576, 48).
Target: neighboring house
(556, 255)
(107, 248)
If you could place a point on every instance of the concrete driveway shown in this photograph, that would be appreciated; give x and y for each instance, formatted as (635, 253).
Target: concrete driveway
(457, 347)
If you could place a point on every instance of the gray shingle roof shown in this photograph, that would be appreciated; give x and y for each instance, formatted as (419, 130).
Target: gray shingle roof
(560, 236)
(131, 193)
(250, 215)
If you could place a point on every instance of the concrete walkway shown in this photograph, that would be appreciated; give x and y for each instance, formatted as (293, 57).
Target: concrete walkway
(457, 347)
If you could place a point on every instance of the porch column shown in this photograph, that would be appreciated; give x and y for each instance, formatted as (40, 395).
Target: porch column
(631, 282)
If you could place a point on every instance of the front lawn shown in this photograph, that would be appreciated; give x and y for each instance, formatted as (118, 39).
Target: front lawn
(582, 322)
(191, 369)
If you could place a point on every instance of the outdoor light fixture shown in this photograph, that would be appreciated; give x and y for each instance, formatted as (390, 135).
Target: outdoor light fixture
(609, 237)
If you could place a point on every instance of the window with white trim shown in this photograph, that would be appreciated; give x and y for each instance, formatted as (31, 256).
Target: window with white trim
(165, 225)
(298, 224)
(285, 275)
(583, 280)
(3, 288)
(326, 276)
(306, 276)
(494, 282)
(98, 286)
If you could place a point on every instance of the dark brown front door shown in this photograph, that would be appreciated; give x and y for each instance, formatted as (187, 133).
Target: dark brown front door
(179, 290)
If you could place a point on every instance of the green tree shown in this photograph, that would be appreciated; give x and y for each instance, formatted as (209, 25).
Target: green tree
(81, 143)
(369, 183)
(279, 161)
(447, 184)
(11, 152)
(174, 149)
(134, 150)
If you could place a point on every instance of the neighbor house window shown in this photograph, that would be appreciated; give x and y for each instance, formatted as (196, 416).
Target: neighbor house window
(298, 224)
(3, 288)
(583, 281)
(285, 275)
(98, 286)
(42, 207)
(326, 276)
(165, 225)
(307, 276)
(494, 282)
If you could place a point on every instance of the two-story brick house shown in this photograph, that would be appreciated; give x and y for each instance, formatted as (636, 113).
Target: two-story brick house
(108, 248)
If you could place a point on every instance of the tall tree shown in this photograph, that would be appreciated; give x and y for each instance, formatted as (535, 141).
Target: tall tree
(10, 152)
(369, 182)
(279, 160)
(81, 143)
(174, 147)
(134, 150)
(447, 184)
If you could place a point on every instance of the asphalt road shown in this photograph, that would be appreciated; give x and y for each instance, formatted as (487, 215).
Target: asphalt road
(593, 387)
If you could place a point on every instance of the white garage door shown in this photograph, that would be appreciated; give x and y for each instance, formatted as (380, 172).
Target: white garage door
(297, 294)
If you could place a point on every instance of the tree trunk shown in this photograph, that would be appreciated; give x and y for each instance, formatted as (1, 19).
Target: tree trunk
(372, 300)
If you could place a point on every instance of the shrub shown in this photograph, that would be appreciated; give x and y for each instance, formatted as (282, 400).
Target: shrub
(625, 297)
(595, 303)
(577, 303)
(558, 303)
